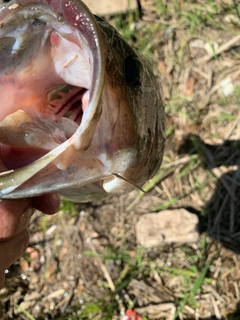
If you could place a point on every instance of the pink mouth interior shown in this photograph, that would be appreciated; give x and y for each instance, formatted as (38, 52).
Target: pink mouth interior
(71, 106)
(50, 84)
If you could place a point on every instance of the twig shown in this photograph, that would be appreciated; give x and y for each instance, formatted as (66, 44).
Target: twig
(236, 290)
(216, 309)
(233, 127)
(206, 98)
(167, 192)
(225, 47)
(109, 279)
(69, 299)
(104, 269)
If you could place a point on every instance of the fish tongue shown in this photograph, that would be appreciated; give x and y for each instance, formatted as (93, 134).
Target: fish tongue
(21, 130)
(25, 138)
(21, 141)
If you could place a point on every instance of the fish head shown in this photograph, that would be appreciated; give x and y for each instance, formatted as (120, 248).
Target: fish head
(81, 111)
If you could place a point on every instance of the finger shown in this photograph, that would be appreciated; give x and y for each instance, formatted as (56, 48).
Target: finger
(12, 249)
(12, 220)
(47, 203)
(14, 217)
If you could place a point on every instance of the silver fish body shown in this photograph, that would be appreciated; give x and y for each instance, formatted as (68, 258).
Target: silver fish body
(81, 111)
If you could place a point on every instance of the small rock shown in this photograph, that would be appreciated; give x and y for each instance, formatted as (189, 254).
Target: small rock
(24, 265)
(167, 226)
(227, 87)
(231, 18)
(107, 7)
(32, 296)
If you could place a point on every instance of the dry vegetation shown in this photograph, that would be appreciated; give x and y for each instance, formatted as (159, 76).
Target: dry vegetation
(84, 262)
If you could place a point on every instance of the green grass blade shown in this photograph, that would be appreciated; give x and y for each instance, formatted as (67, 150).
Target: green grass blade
(27, 314)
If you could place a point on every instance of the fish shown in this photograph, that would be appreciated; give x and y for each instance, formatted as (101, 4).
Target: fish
(81, 110)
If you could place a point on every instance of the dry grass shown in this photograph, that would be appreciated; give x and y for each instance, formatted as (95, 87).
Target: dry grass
(87, 265)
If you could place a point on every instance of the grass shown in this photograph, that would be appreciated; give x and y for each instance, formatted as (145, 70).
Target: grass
(196, 286)
(132, 268)
(25, 312)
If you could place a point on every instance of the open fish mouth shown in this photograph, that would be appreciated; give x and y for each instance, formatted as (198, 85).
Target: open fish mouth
(81, 111)
(51, 82)
(48, 66)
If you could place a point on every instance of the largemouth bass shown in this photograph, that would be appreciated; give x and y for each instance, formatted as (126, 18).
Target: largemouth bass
(81, 111)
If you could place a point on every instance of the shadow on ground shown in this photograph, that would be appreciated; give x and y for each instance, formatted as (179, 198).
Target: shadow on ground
(221, 215)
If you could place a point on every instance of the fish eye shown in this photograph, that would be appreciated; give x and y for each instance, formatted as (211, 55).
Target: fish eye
(132, 70)
(98, 18)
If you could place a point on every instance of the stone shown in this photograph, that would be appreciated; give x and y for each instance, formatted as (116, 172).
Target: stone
(107, 7)
(110, 7)
(168, 226)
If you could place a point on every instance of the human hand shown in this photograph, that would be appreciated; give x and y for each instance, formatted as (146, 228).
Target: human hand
(15, 216)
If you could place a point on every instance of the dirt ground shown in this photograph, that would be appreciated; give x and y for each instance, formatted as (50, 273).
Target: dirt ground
(85, 262)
